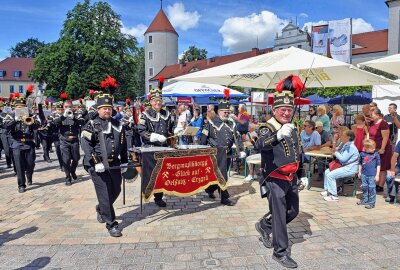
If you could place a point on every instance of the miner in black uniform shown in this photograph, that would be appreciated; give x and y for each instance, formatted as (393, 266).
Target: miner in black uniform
(155, 127)
(220, 131)
(69, 128)
(55, 134)
(280, 158)
(4, 138)
(104, 136)
(22, 141)
(46, 132)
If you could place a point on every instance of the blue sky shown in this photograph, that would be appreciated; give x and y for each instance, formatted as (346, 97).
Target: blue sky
(217, 26)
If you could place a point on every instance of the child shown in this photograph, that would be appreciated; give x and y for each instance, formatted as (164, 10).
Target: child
(361, 132)
(368, 170)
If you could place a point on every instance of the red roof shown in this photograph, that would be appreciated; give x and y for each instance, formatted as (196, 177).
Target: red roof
(11, 64)
(372, 42)
(176, 70)
(161, 24)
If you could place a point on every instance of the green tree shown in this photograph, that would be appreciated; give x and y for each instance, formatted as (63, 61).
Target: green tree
(91, 46)
(194, 54)
(28, 48)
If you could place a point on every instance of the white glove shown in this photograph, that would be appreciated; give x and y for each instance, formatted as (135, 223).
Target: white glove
(242, 154)
(154, 137)
(99, 167)
(285, 131)
(123, 170)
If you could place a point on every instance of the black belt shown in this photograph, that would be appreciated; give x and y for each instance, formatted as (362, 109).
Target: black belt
(25, 140)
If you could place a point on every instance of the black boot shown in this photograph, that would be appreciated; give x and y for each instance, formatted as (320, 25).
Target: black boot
(73, 174)
(113, 230)
(28, 180)
(160, 203)
(68, 181)
(265, 236)
(285, 261)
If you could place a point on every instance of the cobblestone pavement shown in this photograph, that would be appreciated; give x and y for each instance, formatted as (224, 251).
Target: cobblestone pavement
(54, 226)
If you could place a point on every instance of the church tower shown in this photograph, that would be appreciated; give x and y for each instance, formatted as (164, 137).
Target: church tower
(394, 26)
(160, 46)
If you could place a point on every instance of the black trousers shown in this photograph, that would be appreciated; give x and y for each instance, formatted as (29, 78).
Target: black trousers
(7, 149)
(283, 199)
(24, 158)
(129, 141)
(108, 187)
(58, 150)
(36, 138)
(46, 145)
(70, 156)
(223, 193)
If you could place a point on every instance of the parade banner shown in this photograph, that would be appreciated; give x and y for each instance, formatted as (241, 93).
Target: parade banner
(183, 172)
(340, 40)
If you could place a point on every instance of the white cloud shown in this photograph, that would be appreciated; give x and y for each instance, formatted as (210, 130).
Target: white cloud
(303, 15)
(240, 33)
(182, 19)
(136, 31)
(359, 25)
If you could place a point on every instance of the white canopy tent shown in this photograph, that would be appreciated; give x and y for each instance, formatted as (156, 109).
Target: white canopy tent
(264, 71)
(390, 64)
(383, 95)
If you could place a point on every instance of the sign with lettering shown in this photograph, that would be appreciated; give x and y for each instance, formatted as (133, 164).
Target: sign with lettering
(184, 172)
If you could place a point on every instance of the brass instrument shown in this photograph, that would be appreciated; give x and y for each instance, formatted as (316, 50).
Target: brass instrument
(69, 113)
(28, 120)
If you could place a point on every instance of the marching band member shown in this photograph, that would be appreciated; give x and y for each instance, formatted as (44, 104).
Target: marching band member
(55, 134)
(280, 158)
(220, 131)
(22, 141)
(104, 136)
(155, 126)
(69, 129)
(5, 136)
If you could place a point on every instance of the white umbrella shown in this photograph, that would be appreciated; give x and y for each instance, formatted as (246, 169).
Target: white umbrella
(390, 64)
(194, 89)
(264, 71)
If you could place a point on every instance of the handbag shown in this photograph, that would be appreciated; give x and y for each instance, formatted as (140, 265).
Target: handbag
(334, 164)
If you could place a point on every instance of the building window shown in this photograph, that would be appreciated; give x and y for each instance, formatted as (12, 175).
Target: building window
(2, 73)
(11, 89)
(150, 39)
(299, 46)
(150, 86)
(151, 72)
(1, 88)
(17, 74)
(150, 55)
(21, 89)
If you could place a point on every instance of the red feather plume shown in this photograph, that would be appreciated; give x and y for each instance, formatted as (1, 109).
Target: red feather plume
(110, 84)
(160, 82)
(91, 92)
(298, 86)
(135, 116)
(46, 102)
(63, 96)
(16, 94)
(3, 99)
(30, 88)
(128, 101)
(11, 96)
(226, 93)
(141, 108)
(148, 97)
(279, 86)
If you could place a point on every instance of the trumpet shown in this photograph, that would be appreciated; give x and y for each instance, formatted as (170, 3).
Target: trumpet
(69, 113)
(28, 120)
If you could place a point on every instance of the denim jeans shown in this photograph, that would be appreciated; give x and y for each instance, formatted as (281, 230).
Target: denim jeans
(331, 176)
(390, 183)
(369, 188)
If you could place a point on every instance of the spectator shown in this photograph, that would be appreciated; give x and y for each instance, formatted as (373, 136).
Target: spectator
(393, 120)
(322, 117)
(367, 114)
(312, 114)
(347, 155)
(187, 111)
(393, 186)
(242, 120)
(326, 141)
(379, 132)
(181, 123)
(328, 111)
(373, 106)
(361, 132)
(197, 121)
(310, 138)
(337, 119)
(369, 166)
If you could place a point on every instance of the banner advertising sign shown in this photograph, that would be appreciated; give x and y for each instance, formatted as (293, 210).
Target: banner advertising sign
(320, 40)
(187, 100)
(340, 40)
